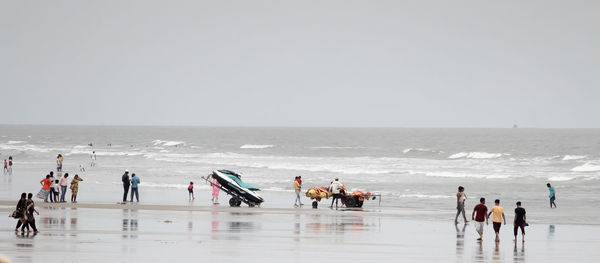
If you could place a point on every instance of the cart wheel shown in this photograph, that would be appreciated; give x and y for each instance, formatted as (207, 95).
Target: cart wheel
(315, 204)
(251, 204)
(359, 204)
(233, 202)
(350, 202)
(239, 202)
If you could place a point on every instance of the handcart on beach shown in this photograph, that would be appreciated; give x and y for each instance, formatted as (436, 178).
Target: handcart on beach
(232, 184)
(350, 200)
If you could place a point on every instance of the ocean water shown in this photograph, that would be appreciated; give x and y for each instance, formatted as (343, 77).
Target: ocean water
(413, 169)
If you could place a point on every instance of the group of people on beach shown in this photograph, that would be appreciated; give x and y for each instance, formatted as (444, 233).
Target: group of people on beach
(8, 165)
(52, 188)
(24, 213)
(481, 215)
(132, 183)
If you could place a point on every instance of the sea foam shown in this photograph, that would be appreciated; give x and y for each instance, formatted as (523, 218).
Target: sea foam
(256, 146)
(477, 155)
(587, 167)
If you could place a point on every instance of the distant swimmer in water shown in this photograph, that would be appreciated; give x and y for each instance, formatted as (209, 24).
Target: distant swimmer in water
(552, 195)
(461, 197)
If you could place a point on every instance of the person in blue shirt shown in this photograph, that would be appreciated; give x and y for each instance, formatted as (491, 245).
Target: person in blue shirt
(135, 181)
(552, 195)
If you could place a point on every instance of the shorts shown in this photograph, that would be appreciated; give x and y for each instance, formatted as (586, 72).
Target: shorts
(497, 227)
(191, 191)
(479, 226)
(337, 195)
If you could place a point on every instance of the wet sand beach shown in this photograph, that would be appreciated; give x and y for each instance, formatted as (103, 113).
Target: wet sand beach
(159, 233)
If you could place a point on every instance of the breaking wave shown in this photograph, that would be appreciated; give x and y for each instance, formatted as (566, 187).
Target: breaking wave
(256, 146)
(587, 167)
(477, 155)
(573, 157)
(168, 143)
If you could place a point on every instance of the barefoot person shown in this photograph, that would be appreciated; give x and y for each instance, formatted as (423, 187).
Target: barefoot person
(20, 211)
(135, 181)
(520, 221)
(45, 192)
(498, 212)
(552, 195)
(126, 184)
(75, 188)
(216, 188)
(297, 189)
(461, 197)
(63, 182)
(191, 191)
(337, 189)
(479, 215)
(29, 218)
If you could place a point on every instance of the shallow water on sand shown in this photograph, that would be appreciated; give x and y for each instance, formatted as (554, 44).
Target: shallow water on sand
(120, 235)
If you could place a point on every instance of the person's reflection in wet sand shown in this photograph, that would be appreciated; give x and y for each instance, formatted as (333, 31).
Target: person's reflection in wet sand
(479, 257)
(460, 239)
(551, 229)
(297, 228)
(519, 257)
(214, 225)
(496, 257)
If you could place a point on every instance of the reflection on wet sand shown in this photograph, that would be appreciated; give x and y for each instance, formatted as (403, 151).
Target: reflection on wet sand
(496, 257)
(519, 256)
(339, 223)
(460, 239)
(130, 223)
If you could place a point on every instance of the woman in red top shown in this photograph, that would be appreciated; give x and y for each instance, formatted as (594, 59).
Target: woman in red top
(43, 194)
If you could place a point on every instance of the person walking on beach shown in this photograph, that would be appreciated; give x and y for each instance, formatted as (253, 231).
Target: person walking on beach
(216, 188)
(498, 212)
(461, 197)
(75, 188)
(126, 183)
(5, 167)
(63, 186)
(520, 221)
(20, 210)
(45, 192)
(336, 188)
(135, 181)
(191, 191)
(552, 195)
(29, 218)
(297, 189)
(479, 215)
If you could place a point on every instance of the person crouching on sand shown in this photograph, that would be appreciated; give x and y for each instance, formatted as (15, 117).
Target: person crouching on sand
(479, 215)
(498, 212)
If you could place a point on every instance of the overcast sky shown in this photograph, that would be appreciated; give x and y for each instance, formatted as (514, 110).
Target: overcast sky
(301, 63)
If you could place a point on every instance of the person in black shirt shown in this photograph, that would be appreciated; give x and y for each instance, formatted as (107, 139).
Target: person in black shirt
(520, 220)
(126, 184)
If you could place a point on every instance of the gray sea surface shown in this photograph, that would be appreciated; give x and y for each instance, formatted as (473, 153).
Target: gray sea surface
(413, 169)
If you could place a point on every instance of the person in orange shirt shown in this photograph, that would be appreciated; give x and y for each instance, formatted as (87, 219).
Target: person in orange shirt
(498, 217)
(45, 188)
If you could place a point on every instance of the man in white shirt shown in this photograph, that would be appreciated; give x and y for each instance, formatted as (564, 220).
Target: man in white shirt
(336, 188)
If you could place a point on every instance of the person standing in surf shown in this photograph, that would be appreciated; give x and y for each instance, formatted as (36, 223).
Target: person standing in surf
(126, 184)
(10, 163)
(461, 197)
(5, 167)
(93, 157)
(498, 212)
(552, 195)
(479, 215)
